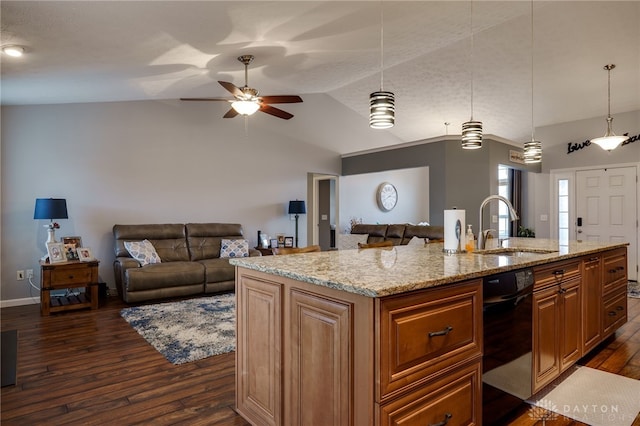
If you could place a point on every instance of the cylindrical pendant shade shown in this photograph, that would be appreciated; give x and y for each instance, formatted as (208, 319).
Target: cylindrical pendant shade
(472, 135)
(382, 110)
(532, 152)
(50, 208)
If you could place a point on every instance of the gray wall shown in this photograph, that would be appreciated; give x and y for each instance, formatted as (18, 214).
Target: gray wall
(457, 178)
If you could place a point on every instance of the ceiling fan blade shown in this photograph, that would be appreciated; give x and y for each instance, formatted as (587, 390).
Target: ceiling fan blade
(205, 99)
(275, 112)
(281, 99)
(231, 88)
(230, 114)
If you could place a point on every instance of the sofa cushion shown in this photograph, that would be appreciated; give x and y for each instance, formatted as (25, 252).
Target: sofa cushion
(205, 238)
(164, 275)
(234, 248)
(142, 251)
(433, 233)
(217, 270)
(376, 232)
(169, 240)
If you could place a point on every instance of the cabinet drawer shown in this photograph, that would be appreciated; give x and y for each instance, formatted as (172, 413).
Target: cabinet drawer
(80, 274)
(615, 312)
(455, 399)
(614, 269)
(425, 332)
(554, 273)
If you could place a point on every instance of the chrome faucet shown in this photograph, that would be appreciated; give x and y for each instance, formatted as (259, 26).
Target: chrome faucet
(482, 238)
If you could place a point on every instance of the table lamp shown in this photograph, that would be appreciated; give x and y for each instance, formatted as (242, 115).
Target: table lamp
(51, 208)
(297, 207)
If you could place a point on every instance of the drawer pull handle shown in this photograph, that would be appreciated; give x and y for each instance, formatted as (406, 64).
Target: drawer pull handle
(562, 291)
(612, 313)
(448, 329)
(70, 277)
(620, 268)
(594, 258)
(619, 308)
(558, 272)
(447, 416)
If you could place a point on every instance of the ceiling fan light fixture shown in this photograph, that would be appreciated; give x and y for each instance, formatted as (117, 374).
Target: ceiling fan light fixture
(15, 51)
(472, 134)
(245, 107)
(382, 110)
(609, 141)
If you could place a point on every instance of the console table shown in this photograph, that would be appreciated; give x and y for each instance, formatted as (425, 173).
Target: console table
(65, 275)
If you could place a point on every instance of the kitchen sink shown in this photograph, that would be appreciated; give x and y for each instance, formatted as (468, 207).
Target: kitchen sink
(515, 251)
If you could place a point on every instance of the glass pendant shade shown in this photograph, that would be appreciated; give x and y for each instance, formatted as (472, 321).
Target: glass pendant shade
(532, 152)
(245, 107)
(472, 135)
(382, 110)
(609, 141)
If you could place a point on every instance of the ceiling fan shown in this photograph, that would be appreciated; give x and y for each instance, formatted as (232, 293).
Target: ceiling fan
(247, 101)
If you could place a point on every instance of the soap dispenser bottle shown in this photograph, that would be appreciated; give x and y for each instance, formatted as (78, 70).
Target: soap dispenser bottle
(470, 243)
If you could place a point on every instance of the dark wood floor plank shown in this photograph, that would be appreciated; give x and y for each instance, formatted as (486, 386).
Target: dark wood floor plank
(90, 367)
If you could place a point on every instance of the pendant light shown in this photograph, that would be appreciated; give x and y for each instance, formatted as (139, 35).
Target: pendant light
(532, 149)
(472, 129)
(609, 141)
(382, 104)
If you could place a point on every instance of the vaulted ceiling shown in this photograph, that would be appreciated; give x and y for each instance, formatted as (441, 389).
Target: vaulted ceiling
(97, 51)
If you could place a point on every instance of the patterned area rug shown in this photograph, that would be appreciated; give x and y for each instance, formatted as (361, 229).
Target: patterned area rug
(634, 289)
(188, 330)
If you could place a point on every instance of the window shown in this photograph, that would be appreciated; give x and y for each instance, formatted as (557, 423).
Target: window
(504, 189)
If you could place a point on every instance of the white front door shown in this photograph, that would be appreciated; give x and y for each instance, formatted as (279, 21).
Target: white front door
(606, 201)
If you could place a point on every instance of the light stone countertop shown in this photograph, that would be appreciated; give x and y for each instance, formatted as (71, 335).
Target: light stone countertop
(378, 272)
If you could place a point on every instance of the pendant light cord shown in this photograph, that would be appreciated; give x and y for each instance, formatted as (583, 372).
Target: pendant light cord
(532, 128)
(381, 45)
(609, 90)
(471, 54)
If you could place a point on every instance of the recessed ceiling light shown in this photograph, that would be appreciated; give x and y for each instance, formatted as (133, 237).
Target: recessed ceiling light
(15, 51)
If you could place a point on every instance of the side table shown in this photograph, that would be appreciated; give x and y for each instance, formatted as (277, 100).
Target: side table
(64, 275)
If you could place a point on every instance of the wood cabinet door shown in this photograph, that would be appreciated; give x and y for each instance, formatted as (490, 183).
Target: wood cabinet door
(320, 376)
(591, 303)
(546, 335)
(570, 323)
(259, 345)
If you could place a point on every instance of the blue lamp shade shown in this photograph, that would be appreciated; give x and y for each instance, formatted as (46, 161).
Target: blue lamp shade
(297, 207)
(50, 208)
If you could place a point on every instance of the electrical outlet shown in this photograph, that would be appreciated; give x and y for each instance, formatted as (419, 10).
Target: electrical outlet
(20, 275)
(29, 273)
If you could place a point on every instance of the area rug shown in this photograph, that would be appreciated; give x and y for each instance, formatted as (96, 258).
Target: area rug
(187, 330)
(513, 378)
(634, 289)
(590, 396)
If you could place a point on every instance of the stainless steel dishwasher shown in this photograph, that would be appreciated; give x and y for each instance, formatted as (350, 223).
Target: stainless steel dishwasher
(508, 341)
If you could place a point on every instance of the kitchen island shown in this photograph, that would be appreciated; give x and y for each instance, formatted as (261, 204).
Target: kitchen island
(393, 335)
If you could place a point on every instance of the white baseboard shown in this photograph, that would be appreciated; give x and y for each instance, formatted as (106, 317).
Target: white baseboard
(20, 302)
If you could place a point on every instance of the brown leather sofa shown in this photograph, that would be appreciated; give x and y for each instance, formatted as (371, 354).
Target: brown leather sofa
(399, 234)
(190, 260)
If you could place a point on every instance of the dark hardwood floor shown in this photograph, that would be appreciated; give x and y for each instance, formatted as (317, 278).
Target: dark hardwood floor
(90, 367)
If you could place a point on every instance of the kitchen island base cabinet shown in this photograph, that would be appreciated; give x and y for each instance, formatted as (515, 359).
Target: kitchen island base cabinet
(313, 355)
(304, 353)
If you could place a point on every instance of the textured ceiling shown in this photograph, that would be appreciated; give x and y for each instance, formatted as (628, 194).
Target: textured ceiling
(93, 51)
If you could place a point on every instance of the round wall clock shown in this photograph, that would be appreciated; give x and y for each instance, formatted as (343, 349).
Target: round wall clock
(387, 196)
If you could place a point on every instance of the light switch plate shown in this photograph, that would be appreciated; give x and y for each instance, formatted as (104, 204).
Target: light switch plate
(544, 218)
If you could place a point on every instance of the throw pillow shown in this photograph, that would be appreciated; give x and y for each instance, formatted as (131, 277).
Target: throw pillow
(234, 248)
(416, 241)
(350, 241)
(142, 251)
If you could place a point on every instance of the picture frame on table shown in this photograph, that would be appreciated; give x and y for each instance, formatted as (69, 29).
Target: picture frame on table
(85, 254)
(73, 240)
(288, 241)
(274, 243)
(71, 252)
(280, 240)
(56, 252)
